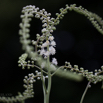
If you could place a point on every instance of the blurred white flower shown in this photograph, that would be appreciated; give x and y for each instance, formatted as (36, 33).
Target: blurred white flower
(54, 61)
(47, 53)
(44, 30)
(51, 38)
(52, 50)
(42, 51)
(45, 44)
(53, 43)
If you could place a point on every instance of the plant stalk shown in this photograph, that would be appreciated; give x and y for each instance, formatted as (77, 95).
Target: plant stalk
(81, 101)
(46, 90)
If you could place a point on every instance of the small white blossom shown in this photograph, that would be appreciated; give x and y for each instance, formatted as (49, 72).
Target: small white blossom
(44, 21)
(44, 30)
(37, 16)
(45, 12)
(51, 38)
(48, 17)
(45, 24)
(38, 78)
(42, 51)
(46, 76)
(95, 74)
(45, 44)
(47, 53)
(51, 31)
(52, 50)
(53, 43)
(54, 61)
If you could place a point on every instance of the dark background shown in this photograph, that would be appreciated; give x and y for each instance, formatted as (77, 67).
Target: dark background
(77, 41)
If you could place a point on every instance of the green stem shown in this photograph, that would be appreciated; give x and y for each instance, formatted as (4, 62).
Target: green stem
(44, 87)
(57, 70)
(47, 92)
(49, 80)
(49, 87)
(81, 101)
(44, 90)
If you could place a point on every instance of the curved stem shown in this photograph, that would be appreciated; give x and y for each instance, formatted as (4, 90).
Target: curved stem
(81, 101)
(36, 67)
(57, 70)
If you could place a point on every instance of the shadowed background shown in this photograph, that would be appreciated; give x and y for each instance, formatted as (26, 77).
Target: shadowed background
(78, 42)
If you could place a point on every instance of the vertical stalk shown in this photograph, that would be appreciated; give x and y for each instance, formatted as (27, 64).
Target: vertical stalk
(46, 90)
(44, 87)
(49, 79)
(49, 82)
(81, 101)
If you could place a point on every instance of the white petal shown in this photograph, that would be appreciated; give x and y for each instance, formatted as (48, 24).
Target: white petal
(42, 51)
(45, 44)
(51, 38)
(52, 50)
(54, 61)
(53, 43)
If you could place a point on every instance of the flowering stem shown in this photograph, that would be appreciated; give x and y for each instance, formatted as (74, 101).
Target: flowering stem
(81, 101)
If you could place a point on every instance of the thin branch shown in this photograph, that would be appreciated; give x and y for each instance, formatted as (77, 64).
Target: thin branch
(81, 101)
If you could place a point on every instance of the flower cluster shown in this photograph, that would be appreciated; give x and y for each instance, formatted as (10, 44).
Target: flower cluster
(48, 49)
(45, 43)
(92, 77)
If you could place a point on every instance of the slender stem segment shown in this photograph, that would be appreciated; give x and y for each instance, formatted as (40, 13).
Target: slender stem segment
(81, 101)
(43, 81)
(49, 82)
(46, 90)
